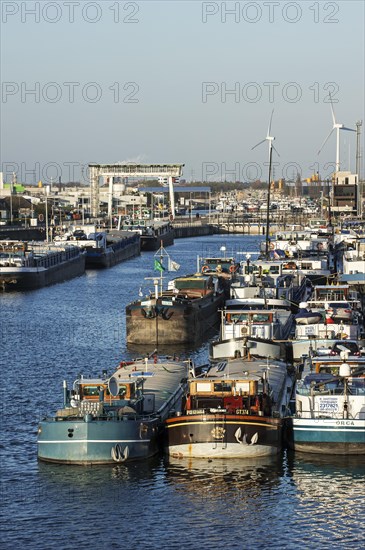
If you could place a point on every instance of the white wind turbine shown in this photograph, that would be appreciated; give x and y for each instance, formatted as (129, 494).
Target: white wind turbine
(270, 139)
(336, 126)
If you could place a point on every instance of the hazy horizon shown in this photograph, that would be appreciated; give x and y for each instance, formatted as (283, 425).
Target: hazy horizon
(179, 82)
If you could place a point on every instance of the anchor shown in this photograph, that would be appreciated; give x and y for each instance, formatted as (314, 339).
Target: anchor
(118, 455)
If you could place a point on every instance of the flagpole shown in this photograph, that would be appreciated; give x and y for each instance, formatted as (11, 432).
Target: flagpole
(161, 260)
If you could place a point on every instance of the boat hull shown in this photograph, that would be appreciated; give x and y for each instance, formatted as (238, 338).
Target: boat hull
(222, 436)
(182, 323)
(235, 347)
(155, 241)
(114, 253)
(327, 436)
(32, 278)
(91, 442)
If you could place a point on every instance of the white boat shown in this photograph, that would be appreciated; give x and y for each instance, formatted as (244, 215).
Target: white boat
(330, 407)
(327, 300)
(263, 331)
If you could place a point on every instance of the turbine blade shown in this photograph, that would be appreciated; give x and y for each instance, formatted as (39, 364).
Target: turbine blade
(269, 128)
(348, 129)
(257, 144)
(276, 151)
(325, 141)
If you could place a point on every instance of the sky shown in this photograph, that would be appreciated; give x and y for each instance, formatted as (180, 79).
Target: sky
(179, 82)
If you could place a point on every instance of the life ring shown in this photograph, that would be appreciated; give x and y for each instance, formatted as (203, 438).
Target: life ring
(272, 246)
(205, 268)
(233, 268)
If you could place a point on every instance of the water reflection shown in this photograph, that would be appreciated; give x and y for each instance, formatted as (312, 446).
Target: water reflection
(219, 479)
(330, 490)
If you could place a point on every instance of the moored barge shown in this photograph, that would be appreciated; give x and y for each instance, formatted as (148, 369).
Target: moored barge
(28, 266)
(184, 313)
(236, 409)
(114, 419)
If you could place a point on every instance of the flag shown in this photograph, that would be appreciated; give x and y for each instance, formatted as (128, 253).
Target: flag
(173, 266)
(158, 266)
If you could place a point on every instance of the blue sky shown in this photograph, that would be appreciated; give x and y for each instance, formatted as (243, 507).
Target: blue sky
(149, 82)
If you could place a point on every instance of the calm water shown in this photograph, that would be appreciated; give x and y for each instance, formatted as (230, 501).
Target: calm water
(55, 333)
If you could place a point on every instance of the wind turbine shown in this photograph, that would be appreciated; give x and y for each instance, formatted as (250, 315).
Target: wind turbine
(336, 126)
(270, 139)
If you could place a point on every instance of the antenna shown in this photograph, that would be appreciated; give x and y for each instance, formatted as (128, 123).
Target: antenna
(270, 139)
(336, 126)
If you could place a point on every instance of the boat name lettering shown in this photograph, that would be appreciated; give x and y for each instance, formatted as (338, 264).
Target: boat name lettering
(309, 329)
(241, 411)
(148, 303)
(167, 303)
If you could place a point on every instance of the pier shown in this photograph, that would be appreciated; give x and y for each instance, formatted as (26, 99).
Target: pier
(211, 224)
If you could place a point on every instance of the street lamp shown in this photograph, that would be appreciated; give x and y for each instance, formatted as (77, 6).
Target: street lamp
(46, 195)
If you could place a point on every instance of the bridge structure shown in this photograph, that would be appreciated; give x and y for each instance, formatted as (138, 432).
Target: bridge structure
(130, 170)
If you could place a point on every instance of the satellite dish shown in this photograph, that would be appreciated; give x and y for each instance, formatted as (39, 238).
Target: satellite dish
(113, 386)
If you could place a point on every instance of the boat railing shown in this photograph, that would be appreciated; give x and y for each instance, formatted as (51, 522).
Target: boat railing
(329, 415)
(306, 391)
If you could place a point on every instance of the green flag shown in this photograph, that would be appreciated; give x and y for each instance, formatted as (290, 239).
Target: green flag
(159, 266)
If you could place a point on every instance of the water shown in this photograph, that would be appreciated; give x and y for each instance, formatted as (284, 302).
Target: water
(79, 326)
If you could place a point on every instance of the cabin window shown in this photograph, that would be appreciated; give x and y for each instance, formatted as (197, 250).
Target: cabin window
(237, 317)
(203, 387)
(222, 386)
(260, 318)
(244, 387)
(90, 391)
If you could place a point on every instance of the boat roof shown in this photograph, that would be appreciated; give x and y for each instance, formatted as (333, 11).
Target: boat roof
(161, 378)
(275, 372)
(279, 302)
(243, 369)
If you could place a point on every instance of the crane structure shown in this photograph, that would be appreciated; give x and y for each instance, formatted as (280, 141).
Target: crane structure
(130, 170)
